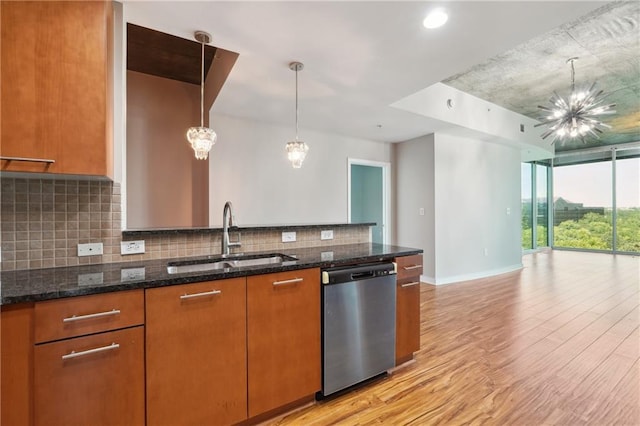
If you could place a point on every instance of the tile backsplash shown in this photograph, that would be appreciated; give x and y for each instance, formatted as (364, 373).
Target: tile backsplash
(43, 221)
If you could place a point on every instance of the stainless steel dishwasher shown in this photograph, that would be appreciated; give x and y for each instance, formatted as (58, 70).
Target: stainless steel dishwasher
(358, 324)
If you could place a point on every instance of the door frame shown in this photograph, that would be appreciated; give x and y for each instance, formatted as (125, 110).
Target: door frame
(386, 191)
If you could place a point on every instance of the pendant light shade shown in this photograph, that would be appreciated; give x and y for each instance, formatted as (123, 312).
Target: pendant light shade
(296, 149)
(202, 138)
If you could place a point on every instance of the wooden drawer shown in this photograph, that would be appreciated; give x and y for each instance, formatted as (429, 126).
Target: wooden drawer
(409, 266)
(78, 316)
(91, 380)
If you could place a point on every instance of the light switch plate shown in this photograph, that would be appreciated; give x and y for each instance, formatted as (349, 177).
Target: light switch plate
(288, 237)
(90, 249)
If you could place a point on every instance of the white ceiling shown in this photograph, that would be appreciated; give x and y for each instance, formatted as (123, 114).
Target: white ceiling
(360, 57)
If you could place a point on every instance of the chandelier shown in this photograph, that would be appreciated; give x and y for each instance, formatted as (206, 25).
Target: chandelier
(577, 116)
(296, 149)
(201, 138)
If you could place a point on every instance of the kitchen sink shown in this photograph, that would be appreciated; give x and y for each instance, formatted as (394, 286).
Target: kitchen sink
(234, 261)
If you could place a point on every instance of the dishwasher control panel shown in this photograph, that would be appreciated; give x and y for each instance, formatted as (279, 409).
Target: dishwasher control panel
(357, 272)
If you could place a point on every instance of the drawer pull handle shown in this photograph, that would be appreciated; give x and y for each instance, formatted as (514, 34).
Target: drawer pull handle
(409, 268)
(411, 284)
(291, 281)
(75, 354)
(203, 294)
(31, 160)
(90, 316)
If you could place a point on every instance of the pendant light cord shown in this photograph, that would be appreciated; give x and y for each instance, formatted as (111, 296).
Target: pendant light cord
(202, 88)
(573, 77)
(296, 103)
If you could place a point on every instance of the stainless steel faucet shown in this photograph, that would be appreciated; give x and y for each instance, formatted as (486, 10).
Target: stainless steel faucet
(227, 221)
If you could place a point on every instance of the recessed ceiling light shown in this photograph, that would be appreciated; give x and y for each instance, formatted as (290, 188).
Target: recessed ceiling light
(435, 19)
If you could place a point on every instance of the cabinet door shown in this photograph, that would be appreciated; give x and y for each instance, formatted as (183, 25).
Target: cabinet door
(56, 80)
(283, 314)
(91, 380)
(196, 353)
(407, 318)
(408, 307)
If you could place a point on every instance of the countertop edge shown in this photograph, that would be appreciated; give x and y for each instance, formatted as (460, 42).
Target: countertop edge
(187, 231)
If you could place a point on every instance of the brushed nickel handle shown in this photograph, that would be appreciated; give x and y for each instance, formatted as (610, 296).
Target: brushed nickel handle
(411, 284)
(291, 281)
(31, 160)
(90, 316)
(75, 354)
(409, 268)
(203, 294)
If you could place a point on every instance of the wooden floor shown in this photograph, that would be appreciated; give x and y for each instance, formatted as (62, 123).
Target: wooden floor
(554, 344)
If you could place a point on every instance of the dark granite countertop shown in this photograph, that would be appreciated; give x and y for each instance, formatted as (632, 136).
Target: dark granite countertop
(53, 283)
(185, 231)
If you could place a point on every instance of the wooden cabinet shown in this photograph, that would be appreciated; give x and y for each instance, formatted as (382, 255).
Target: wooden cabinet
(77, 316)
(283, 326)
(408, 307)
(217, 352)
(16, 364)
(88, 360)
(196, 353)
(96, 379)
(56, 81)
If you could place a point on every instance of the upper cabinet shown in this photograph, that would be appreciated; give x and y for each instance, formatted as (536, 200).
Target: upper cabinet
(57, 87)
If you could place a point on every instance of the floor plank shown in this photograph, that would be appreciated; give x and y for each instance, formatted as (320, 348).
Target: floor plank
(557, 343)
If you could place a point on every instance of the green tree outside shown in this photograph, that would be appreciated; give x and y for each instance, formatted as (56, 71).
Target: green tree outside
(593, 231)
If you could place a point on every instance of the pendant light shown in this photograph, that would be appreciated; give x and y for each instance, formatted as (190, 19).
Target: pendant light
(578, 115)
(202, 138)
(296, 149)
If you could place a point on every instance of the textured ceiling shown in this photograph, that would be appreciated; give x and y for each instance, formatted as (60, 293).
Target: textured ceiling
(607, 42)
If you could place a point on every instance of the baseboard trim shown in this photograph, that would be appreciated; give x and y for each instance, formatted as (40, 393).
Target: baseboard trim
(473, 276)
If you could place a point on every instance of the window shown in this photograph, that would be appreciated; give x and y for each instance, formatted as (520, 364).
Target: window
(542, 212)
(527, 206)
(628, 205)
(535, 211)
(583, 206)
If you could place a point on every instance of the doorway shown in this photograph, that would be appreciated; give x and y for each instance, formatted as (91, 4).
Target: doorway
(368, 193)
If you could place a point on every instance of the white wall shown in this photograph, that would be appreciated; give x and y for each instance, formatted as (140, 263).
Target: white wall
(475, 183)
(465, 186)
(249, 167)
(415, 190)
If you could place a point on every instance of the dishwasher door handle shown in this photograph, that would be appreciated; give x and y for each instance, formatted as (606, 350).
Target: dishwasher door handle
(362, 275)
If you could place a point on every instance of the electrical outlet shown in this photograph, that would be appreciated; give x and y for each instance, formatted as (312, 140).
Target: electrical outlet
(326, 235)
(90, 249)
(288, 237)
(508, 211)
(132, 274)
(132, 247)
(96, 278)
